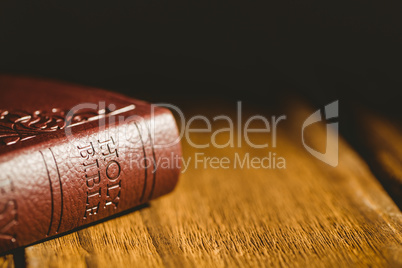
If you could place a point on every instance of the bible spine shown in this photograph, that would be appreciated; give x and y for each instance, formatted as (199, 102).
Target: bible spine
(81, 174)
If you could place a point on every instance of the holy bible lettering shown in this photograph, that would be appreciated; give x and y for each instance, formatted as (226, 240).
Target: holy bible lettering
(73, 155)
(106, 166)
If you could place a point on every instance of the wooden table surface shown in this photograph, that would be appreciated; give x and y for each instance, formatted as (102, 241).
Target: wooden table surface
(309, 214)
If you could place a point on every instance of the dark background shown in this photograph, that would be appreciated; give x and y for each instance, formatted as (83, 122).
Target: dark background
(323, 50)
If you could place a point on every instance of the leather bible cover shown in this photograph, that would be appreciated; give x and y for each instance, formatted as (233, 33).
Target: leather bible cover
(61, 170)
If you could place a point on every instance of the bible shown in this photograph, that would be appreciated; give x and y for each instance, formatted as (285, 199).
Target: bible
(72, 155)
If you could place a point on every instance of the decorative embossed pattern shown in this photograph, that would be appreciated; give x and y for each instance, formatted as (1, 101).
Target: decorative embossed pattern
(18, 126)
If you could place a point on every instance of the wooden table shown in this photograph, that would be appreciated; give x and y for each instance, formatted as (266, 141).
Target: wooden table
(309, 214)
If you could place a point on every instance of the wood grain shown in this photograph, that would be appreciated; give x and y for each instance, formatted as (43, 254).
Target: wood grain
(309, 214)
(7, 261)
(380, 141)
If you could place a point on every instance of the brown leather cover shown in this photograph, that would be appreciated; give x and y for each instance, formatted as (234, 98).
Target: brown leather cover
(60, 171)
